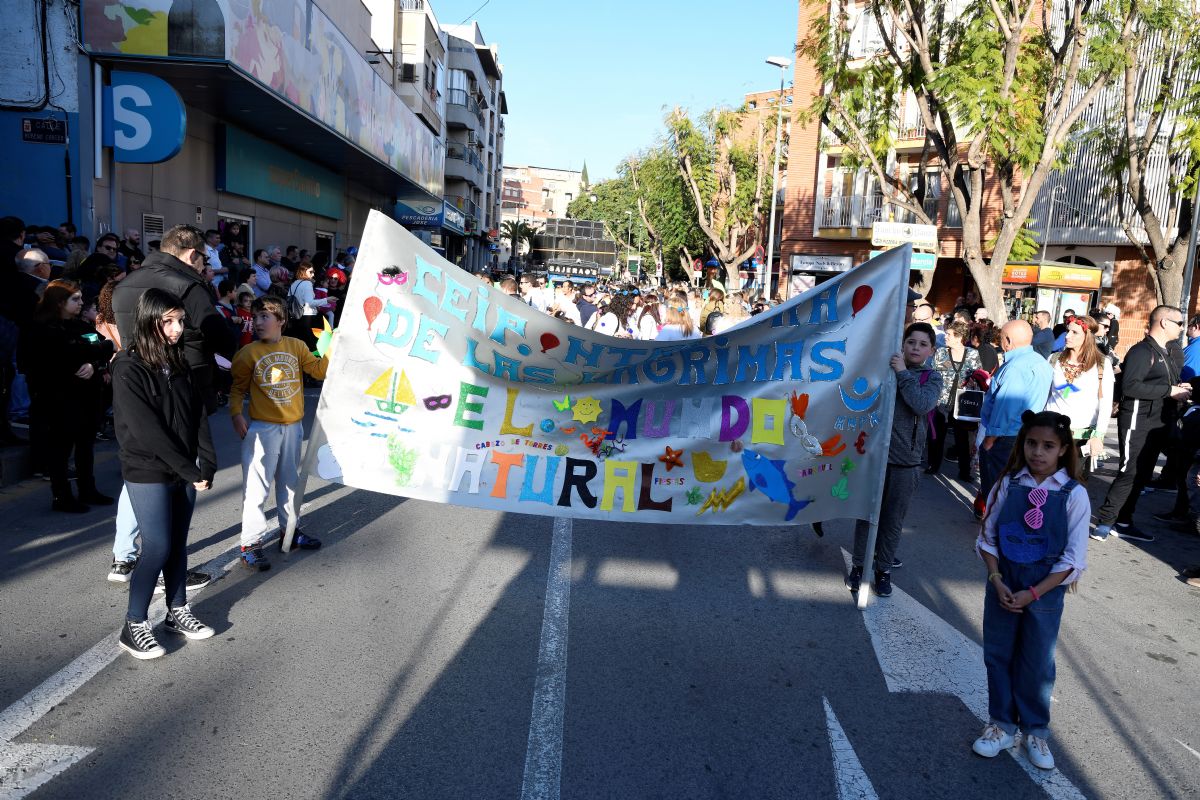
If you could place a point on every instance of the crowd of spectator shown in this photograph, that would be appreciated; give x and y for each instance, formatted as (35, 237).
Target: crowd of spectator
(59, 329)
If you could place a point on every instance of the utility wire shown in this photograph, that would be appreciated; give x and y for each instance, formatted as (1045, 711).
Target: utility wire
(473, 13)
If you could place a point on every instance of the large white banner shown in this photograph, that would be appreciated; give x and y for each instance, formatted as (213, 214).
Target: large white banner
(445, 389)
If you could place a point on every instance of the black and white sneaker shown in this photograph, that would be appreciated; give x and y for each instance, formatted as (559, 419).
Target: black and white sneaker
(121, 571)
(1131, 532)
(182, 620)
(138, 640)
(883, 584)
(196, 580)
(853, 580)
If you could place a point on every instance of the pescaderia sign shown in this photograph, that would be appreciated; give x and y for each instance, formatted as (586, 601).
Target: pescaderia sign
(444, 389)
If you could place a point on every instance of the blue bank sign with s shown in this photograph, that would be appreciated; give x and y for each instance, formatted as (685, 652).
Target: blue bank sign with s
(144, 120)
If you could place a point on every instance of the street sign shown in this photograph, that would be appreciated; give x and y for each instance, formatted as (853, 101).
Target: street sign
(43, 131)
(891, 234)
(925, 261)
(807, 262)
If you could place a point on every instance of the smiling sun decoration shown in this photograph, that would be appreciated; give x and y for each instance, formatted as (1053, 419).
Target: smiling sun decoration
(587, 409)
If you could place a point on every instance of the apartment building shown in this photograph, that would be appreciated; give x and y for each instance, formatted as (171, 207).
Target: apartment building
(830, 209)
(535, 195)
(475, 109)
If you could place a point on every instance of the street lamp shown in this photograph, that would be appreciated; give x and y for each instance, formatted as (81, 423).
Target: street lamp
(783, 64)
(628, 240)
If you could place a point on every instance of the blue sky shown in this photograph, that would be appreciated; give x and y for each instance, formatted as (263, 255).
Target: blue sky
(588, 79)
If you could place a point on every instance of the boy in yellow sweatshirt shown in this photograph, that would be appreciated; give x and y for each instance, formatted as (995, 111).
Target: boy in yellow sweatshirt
(271, 371)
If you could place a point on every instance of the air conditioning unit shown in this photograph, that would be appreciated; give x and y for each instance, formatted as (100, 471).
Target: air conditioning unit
(153, 228)
(408, 73)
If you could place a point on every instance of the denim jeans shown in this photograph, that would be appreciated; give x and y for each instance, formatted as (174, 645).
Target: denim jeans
(164, 513)
(125, 543)
(1018, 651)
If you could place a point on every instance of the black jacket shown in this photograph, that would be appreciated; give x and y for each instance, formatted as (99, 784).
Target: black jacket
(205, 331)
(1147, 375)
(161, 424)
(50, 353)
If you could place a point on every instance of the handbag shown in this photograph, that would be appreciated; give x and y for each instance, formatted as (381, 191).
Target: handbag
(968, 406)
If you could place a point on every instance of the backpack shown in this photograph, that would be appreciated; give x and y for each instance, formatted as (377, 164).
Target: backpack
(295, 308)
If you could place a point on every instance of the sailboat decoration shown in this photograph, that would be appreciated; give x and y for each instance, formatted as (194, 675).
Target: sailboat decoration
(393, 393)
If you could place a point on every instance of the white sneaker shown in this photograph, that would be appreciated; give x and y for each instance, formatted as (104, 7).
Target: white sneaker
(1038, 750)
(993, 741)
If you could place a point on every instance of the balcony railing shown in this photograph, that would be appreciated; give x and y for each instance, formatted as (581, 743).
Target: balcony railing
(853, 211)
(460, 97)
(411, 5)
(464, 154)
(463, 204)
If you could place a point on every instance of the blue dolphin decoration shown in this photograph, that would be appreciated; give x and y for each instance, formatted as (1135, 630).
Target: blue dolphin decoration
(768, 477)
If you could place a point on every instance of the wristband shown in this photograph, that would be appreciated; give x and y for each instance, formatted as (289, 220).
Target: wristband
(994, 575)
(1033, 592)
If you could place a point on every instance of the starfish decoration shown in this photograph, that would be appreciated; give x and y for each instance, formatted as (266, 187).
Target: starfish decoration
(671, 458)
(847, 466)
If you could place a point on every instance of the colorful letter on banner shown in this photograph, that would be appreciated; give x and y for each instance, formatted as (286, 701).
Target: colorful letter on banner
(445, 389)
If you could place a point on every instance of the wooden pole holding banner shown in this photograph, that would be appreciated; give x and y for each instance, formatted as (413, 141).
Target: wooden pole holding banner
(889, 413)
(316, 440)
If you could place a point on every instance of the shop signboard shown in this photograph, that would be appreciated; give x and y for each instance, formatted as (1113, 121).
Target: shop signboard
(893, 234)
(290, 48)
(925, 261)
(142, 118)
(453, 219)
(249, 166)
(419, 211)
(1070, 276)
(1020, 273)
(809, 262)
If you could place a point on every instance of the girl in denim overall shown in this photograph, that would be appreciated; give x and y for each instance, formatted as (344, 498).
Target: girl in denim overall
(1034, 542)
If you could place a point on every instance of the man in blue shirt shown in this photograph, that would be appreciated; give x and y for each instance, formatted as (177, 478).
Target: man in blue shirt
(1021, 384)
(1191, 353)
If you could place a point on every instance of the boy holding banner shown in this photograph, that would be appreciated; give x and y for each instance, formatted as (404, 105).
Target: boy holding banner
(269, 371)
(917, 392)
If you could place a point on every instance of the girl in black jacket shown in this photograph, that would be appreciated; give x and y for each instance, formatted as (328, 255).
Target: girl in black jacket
(64, 359)
(166, 457)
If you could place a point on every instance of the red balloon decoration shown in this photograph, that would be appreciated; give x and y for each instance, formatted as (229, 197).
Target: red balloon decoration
(549, 341)
(372, 306)
(862, 296)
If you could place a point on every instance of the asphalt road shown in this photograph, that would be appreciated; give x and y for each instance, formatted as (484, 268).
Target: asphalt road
(414, 656)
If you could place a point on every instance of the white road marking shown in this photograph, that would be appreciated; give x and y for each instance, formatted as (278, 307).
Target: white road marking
(543, 754)
(25, 767)
(852, 780)
(919, 652)
(1185, 747)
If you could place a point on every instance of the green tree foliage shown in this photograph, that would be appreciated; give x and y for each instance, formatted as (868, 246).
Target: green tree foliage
(728, 177)
(999, 86)
(1152, 131)
(647, 203)
(517, 232)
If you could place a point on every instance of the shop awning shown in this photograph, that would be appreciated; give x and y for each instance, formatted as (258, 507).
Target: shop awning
(223, 91)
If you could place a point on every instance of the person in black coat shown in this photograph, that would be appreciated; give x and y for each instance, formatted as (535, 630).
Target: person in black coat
(64, 360)
(177, 267)
(167, 455)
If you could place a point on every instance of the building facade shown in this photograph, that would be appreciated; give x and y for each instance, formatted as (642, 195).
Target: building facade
(276, 128)
(830, 209)
(535, 195)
